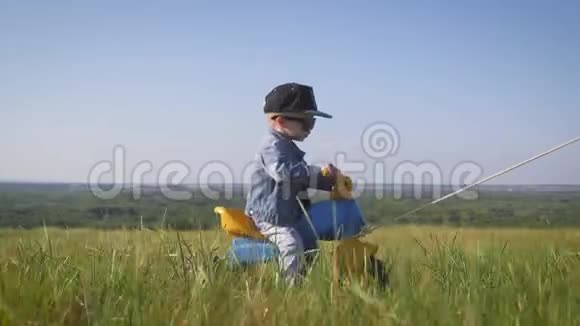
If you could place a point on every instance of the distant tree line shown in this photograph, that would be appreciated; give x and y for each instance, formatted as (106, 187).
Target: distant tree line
(65, 206)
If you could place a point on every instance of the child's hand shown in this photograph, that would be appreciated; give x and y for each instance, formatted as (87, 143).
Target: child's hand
(342, 184)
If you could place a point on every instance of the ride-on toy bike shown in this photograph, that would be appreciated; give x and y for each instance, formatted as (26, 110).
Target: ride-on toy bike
(337, 219)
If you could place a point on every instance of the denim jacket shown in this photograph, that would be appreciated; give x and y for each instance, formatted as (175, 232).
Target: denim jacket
(279, 175)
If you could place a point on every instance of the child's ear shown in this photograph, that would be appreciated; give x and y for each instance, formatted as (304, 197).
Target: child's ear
(279, 120)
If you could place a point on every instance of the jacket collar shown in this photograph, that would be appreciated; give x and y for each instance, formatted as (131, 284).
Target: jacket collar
(279, 135)
(285, 138)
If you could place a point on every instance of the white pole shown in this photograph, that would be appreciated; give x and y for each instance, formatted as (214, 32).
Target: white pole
(370, 229)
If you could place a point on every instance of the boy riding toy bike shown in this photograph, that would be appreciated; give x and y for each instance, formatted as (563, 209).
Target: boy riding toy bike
(279, 220)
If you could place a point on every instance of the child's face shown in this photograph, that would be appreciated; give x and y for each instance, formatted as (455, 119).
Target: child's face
(295, 128)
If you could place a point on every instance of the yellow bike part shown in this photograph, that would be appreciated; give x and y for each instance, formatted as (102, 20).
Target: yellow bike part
(235, 222)
(342, 188)
(352, 255)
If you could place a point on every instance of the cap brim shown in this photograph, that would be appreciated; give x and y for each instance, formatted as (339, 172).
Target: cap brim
(318, 114)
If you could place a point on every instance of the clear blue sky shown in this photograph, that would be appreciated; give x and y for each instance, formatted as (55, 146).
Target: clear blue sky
(493, 82)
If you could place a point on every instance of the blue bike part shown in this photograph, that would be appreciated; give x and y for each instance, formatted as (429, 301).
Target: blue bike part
(332, 220)
(249, 251)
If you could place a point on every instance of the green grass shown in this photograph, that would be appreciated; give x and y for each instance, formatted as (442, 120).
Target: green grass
(440, 276)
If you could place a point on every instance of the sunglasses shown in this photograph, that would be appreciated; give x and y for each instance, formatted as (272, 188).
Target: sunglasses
(307, 123)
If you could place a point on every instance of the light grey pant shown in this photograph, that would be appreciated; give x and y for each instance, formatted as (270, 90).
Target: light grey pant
(290, 247)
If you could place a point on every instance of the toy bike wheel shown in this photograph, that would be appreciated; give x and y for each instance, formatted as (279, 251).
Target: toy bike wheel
(377, 269)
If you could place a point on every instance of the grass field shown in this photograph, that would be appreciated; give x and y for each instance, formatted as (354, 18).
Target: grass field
(440, 276)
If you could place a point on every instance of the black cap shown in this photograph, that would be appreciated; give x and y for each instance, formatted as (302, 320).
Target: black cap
(293, 99)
